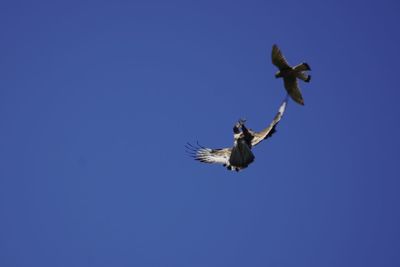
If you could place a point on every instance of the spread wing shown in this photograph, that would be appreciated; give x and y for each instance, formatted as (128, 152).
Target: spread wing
(292, 87)
(267, 132)
(209, 155)
(278, 59)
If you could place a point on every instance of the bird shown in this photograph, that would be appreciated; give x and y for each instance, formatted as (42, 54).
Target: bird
(240, 155)
(290, 74)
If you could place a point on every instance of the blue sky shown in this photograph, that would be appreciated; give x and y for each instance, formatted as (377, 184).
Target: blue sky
(98, 98)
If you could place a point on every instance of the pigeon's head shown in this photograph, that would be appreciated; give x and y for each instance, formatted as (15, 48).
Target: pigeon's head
(241, 122)
(238, 125)
(236, 129)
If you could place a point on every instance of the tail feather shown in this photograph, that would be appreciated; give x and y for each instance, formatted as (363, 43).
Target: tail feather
(304, 76)
(302, 67)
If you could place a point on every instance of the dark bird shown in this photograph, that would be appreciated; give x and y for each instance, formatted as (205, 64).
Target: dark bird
(240, 155)
(290, 74)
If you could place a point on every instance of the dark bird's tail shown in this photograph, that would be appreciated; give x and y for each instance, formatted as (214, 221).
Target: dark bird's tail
(302, 67)
(304, 76)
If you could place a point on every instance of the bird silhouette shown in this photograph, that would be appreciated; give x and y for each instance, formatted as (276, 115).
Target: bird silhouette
(290, 74)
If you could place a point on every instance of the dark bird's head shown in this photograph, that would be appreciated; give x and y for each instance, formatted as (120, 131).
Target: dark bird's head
(278, 74)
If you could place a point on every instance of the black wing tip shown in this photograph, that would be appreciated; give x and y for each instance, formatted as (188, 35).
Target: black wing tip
(298, 101)
(191, 151)
(306, 65)
(194, 147)
(190, 147)
(195, 151)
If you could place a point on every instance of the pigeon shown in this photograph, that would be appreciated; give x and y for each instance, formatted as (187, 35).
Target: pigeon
(290, 74)
(240, 155)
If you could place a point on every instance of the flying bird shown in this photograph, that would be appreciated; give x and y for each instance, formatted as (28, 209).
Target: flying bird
(240, 155)
(290, 74)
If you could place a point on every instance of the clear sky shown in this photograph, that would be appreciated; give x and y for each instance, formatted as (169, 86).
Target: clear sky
(98, 98)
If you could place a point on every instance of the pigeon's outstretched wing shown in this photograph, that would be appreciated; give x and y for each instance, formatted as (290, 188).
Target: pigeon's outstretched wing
(209, 155)
(278, 59)
(267, 132)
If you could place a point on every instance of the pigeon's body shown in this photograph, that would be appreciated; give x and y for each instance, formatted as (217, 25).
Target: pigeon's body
(240, 155)
(290, 74)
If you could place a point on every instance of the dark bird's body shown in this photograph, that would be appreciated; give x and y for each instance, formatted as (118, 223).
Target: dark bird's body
(290, 74)
(240, 155)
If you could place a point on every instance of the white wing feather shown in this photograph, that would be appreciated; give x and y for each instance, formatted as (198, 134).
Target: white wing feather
(209, 155)
(264, 134)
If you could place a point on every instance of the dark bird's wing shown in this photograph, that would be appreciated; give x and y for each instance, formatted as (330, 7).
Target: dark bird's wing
(209, 155)
(293, 89)
(267, 132)
(278, 59)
